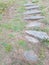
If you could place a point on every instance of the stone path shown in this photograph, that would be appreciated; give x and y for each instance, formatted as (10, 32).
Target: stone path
(34, 7)
(33, 36)
(32, 12)
(34, 24)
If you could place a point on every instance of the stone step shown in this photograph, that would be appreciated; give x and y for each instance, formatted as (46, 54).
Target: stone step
(31, 39)
(32, 7)
(31, 56)
(38, 34)
(34, 24)
(34, 17)
(32, 12)
(28, 4)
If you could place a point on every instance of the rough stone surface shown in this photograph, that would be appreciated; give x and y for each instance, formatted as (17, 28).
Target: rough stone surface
(30, 56)
(34, 24)
(32, 39)
(38, 34)
(32, 12)
(28, 4)
(32, 7)
(34, 17)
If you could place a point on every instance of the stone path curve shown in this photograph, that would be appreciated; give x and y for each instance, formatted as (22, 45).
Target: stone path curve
(33, 36)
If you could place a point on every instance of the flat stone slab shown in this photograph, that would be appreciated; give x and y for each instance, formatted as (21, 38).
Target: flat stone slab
(38, 34)
(34, 24)
(34, 17)
(30, 56)
(32, 39)
(32, 12)
(31, 7)
(28, 4)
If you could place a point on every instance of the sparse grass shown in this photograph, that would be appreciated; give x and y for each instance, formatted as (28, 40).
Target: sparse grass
(46, 29)
(11, 36)
(22, 43)
(40, 63)
(8, 47)
(1, 16)
(43, 12)
(14, 25)
(42, 53)
(5, 4)
(46, 43)
(35, 1)
(42, 7)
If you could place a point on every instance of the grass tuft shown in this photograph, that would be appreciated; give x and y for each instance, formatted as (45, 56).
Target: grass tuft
(7, 46)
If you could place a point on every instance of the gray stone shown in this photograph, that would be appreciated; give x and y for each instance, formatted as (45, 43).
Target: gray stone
(34, 24)
(28, 4)
(32, 7)
(30, 56)
(32, 39)
(38, 34)
(32, 12)
(34, 17)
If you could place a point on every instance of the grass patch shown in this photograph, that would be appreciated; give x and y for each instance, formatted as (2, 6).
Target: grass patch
(7, 46)
(42, 7)
(11, 36)
(5, 4)
(21, 9)
(43, 12)
(22, 43)
(35, 1)
(40, 63)
(42, 54)
(15, 25)
(46, 29)
(1, 16)
(46, 43)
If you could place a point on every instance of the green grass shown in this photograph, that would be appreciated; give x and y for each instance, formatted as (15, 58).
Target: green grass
(15, 26)
(1, 16)
(35, 1)
(22, 43)
(42, 54)
(11, 35)
(40, 63)
(5, 5)
(43, 12)
(46, 43)
(46, 29)
(8, 47)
